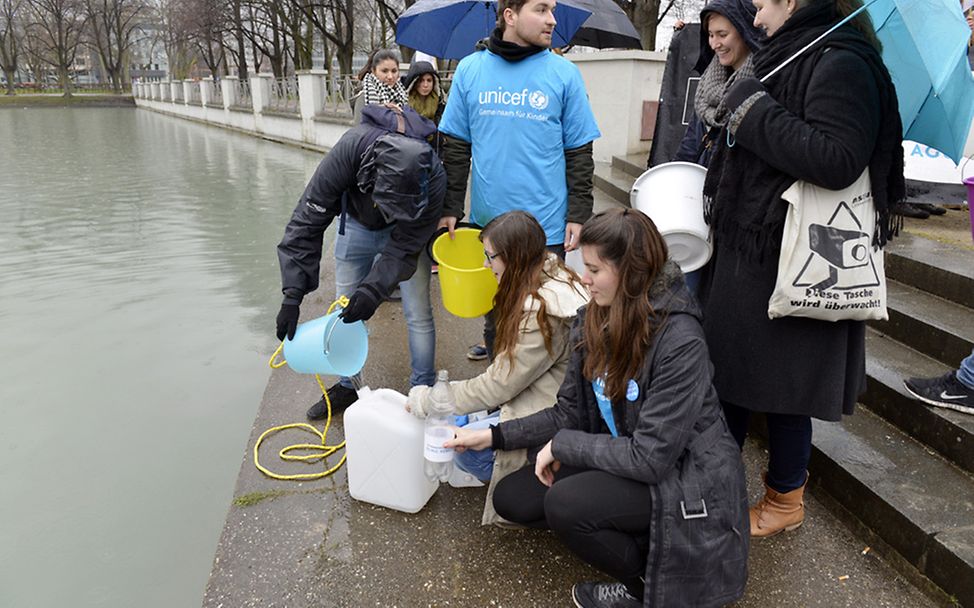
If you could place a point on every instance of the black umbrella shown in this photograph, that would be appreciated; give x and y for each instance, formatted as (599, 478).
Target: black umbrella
(608, 27)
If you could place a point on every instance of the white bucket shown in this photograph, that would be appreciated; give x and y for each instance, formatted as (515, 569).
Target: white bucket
(384, 446)
(671, 194)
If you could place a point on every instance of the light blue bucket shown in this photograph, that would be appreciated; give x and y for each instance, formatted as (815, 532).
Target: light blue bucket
(327, 345)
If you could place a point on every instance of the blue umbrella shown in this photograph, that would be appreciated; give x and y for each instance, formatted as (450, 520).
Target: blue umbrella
(925, 51)
(451, 28)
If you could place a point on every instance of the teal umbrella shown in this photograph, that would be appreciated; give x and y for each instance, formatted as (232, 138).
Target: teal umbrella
(925, 51)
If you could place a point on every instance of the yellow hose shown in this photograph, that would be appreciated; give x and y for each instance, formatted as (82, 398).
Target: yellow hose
(320, 451)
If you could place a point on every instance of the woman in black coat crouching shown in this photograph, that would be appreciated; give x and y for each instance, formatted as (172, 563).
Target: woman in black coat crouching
(638, 474)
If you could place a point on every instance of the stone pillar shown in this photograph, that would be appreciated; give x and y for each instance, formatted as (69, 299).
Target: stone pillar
(230, 91)
(165, 93)
(175, 90)
(311, 92)
(154, 91)
(187, 89)
(207, 92)
(260, 91)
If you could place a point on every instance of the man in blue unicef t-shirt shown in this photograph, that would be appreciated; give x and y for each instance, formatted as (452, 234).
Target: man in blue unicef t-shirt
(521, 112)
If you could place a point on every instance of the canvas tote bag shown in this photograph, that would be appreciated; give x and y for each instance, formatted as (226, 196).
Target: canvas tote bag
(828, 268)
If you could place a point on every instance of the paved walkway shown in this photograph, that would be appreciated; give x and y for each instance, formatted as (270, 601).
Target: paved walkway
(309, 544)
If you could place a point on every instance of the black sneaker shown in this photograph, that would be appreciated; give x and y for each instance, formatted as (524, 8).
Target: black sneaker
(341, 397)
(943, 391)
(477, 352)
(603, 595)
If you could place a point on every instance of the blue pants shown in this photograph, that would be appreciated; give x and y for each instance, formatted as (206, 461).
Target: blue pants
(479, 463)
(355, 252)
(965, 374)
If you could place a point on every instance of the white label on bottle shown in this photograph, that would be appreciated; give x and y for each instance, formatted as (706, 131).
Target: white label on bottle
(433, 450)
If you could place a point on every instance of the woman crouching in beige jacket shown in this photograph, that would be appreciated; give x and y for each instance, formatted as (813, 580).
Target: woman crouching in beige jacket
(536, 302)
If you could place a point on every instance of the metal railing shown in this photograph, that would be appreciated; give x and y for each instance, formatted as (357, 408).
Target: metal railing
(338, 97)
(284, 95)
(195, 97)
(244, 99)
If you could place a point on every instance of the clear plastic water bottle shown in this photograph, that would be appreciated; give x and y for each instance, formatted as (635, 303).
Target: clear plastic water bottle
(439, 422)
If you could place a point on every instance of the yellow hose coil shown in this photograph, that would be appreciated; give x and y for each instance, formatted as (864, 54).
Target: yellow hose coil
(320, 451)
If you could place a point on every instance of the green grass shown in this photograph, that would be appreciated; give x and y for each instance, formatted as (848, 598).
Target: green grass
(23, 100)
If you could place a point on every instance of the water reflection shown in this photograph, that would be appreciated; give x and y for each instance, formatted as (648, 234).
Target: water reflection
(138, 286)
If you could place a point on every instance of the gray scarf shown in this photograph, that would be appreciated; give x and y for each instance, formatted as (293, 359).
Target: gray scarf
(714, 82)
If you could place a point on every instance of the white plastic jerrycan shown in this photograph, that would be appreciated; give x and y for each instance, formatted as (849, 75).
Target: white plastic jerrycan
(384, 448)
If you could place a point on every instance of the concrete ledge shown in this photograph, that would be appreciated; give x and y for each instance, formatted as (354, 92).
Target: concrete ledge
(888, 363)
(933, 326)
(898, 490)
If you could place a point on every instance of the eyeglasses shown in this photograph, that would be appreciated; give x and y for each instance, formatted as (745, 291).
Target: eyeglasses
(490, 256)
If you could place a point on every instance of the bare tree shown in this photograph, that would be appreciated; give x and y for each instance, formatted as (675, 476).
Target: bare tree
(646, 15)
(112, 24)
(175, 37)
(57, 28)
(335, 21)
(11, 34)
(237, 49)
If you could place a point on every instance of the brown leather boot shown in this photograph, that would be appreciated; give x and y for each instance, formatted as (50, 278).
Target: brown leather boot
(777, 512)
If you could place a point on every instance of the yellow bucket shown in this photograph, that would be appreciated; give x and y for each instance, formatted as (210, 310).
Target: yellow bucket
(467, 286)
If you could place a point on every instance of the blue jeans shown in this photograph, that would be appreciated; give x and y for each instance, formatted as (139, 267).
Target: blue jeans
(355, 252)
(965, 373)
(479, 463)
(789, 444)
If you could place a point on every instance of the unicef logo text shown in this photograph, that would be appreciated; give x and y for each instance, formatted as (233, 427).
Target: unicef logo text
(537, 99)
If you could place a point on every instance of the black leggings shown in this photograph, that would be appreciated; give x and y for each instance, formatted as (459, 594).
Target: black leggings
(604, 519)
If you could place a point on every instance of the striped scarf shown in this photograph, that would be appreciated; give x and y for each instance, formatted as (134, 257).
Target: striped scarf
(377, 92)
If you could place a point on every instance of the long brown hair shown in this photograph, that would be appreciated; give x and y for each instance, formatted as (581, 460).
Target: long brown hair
(519, 240)
(618, 336)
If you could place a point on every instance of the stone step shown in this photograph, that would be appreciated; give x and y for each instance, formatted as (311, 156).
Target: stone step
(942, 269)
(633, 164)
(936, 327)
(888, 363)
(916, 502)
(614, 182)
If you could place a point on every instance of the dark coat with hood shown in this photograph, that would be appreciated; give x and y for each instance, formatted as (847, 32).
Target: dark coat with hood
(824, 119)
(674, 438)
(412, 77)
(697, 143)
(415, 71)
(334, 191)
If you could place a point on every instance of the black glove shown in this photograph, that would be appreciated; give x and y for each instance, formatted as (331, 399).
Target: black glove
(361, 306)
(287, 321)
(740, 91)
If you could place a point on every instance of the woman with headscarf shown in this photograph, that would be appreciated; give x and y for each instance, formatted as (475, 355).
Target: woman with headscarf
(728, 39)
(826, 118)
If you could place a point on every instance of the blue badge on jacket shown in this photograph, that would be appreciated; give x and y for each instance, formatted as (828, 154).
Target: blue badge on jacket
(632, 391)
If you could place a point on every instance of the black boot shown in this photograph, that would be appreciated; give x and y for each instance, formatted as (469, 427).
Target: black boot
(929, 208)
(909, 210)
(341, 397)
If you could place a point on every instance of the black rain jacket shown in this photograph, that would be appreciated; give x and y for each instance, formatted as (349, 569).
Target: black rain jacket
(333, 190)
